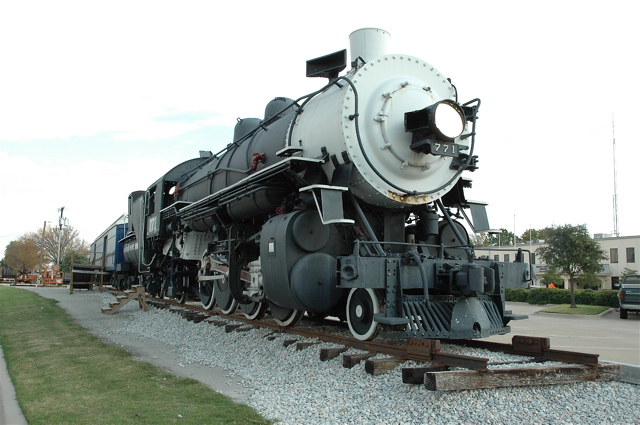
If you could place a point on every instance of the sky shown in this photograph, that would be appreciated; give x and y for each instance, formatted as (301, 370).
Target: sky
(100, 98)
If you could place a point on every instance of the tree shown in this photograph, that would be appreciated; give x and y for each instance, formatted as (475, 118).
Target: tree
(4, 269)
(534, 234)
(73, 257)
(552, 275)
(41, 247)
(52, 238)
(588, 281)
(22, 253)
(571, 250)
(626, 272)
(485, 239)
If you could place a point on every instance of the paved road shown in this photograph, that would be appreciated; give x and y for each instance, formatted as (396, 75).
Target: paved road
(609, 336)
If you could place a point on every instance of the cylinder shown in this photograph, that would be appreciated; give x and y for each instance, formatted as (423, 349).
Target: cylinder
(369, 43)
(427, 224)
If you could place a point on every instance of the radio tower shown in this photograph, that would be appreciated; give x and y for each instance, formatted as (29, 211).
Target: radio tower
(616, 231)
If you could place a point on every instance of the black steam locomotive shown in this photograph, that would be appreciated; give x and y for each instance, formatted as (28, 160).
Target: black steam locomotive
(345, 202)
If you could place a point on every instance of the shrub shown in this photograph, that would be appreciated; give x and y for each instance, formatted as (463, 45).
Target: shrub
(538, 296)
(607, 297)
(586, 297)
(548, 296)
(516, 295)
(560, 296)
(542, 296)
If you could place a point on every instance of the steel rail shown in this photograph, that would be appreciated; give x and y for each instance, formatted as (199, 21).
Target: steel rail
(534, 347)
(399, 351)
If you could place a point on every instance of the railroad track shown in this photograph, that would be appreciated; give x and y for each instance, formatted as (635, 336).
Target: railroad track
(439, 369)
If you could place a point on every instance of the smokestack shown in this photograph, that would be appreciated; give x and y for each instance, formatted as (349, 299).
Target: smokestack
(369, 43)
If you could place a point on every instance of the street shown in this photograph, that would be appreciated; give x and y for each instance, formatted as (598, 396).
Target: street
(614, 339)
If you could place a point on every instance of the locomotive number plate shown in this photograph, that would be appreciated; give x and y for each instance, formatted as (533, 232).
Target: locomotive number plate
(444, 148)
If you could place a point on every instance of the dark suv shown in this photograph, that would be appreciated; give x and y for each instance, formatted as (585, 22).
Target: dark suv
(629, 295)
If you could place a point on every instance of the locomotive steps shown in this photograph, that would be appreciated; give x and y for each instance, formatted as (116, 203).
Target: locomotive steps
(136, 292)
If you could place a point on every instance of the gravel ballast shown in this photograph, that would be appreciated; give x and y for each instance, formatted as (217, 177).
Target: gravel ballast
(295, 387)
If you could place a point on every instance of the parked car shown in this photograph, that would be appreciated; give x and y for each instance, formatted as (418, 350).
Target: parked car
(629, 295)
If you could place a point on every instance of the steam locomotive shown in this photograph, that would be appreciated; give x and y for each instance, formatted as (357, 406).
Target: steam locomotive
(346, 202)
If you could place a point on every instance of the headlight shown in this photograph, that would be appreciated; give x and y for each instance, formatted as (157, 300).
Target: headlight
(448, 120)
(443, 121)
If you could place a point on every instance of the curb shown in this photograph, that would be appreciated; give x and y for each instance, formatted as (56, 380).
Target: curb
(577, 316)
(628, 373)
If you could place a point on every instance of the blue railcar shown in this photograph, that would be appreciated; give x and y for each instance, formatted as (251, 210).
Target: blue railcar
(108, 249)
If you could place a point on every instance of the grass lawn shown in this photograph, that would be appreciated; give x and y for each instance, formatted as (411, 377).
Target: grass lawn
(65, 375)
(580, 309)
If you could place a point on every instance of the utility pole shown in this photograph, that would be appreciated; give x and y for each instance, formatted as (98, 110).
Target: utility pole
(62, 221)
(44, 228)
(616, 230)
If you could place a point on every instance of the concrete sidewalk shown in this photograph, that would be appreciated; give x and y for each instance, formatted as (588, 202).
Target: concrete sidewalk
(10, 412)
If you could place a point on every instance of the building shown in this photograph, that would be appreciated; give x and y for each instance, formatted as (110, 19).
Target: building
(622, 254)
